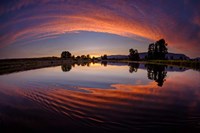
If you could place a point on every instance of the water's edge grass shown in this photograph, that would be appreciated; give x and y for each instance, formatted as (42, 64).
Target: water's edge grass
(16, 65)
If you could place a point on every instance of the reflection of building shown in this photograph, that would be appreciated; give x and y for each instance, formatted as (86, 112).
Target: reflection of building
(157, 73)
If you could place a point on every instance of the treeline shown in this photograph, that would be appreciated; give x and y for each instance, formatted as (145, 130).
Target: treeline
(156, 51)
(68, 55)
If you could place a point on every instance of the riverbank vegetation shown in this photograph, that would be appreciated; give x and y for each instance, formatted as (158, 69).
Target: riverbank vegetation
(23, 64)
(157, 54)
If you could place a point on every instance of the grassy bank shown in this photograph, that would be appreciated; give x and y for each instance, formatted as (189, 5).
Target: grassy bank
(16, 65)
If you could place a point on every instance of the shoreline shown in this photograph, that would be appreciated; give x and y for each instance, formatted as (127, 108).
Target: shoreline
(16, 65)
(195, 65)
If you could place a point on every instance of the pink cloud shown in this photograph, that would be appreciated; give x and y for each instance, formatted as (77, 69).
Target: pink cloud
(121, 18)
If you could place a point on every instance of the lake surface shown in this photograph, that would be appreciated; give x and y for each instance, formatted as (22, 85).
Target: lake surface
(103, 97)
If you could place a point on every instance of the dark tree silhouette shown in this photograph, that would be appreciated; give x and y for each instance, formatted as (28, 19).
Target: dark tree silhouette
(156, 73)
(104, 57)
(162, 49)
(94, 58)
(133, 54)
(83, 57)
(78, 57)
(88, 56)
(157, 50)
(73, 57)
(66, 55)
(151, 51)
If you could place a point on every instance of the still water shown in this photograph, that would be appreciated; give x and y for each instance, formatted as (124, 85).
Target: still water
(101, 98)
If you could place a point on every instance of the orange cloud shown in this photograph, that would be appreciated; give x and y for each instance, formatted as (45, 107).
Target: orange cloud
(121, 18)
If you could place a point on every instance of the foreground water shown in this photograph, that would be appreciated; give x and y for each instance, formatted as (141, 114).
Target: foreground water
(101, 98)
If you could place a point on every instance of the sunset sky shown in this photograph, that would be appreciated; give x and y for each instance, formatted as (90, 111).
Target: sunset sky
(39, 28)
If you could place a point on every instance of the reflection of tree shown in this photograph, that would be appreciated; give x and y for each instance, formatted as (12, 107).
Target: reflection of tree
(157, 73)
(104, 63)
(66, 67)
(133, 67)
(88, 64)
(85, 64)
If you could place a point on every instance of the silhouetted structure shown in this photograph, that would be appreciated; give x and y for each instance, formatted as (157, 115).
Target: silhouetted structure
(156, 73)
(133, 55)
(157, 50)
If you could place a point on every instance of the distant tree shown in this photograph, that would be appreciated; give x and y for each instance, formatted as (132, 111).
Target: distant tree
(104, 57)
(65, 55)
(88, 56)
(73, 57)
(151, 51)
(133, 54)
(78, 57)
(157, 50)
(94, 58)
(162, 49)
(83, 57)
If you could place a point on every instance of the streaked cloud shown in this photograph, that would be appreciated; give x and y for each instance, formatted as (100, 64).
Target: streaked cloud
(29, 21)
